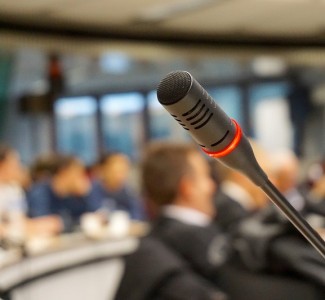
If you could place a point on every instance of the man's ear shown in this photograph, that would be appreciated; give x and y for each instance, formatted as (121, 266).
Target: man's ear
(185, 187)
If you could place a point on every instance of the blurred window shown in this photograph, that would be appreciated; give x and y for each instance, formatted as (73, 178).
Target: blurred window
(115, 63)
(270, 114)
(76, 127)
(122, 122)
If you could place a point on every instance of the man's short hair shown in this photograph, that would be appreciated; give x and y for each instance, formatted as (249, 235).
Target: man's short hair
(163, 167)
(58, 162)
(107, 157)
(47, 165)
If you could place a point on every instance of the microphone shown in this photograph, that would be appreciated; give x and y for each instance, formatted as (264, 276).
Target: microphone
(219, 136)
(222, 138)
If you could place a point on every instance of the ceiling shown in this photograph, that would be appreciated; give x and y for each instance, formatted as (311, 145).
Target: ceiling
(232, 21)
(294, 29)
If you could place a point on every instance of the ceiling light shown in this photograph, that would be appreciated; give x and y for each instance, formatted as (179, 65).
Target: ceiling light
(165, 11)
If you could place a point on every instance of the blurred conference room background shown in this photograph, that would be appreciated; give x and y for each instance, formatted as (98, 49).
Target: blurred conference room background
(84, 78)
(80, 77)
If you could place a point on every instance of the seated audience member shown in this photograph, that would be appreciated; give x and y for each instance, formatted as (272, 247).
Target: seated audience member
(13, 205)
(12, 197)
(112, 191)
(237, 197)
(284, 174)
(63, 196)
(177, 185)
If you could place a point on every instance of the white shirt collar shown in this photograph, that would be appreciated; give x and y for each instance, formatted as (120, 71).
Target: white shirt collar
(238, 194)
(186, 215)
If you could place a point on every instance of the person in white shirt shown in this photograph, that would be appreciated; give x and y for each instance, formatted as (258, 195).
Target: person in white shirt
(14, 224)
(12, 199)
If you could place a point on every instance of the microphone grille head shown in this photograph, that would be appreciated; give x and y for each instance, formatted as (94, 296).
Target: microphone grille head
(174, 87)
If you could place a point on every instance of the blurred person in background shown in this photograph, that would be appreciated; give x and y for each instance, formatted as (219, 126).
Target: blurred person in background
(112, 191)
(13, 205)
(177, 184)
(63, 194)
(285, 175)
(12, 197)
(237, 197)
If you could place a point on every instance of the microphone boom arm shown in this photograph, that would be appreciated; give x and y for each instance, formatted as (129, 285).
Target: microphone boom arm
(294, 217)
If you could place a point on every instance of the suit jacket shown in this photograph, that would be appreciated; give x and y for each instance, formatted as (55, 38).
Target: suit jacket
(155, 272)
(205, 249)
(229, 212)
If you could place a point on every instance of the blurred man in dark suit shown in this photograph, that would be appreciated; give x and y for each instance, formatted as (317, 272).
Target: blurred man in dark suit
(178, 186)
(184, 244)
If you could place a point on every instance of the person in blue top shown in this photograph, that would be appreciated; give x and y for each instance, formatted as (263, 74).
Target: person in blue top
(111, 192)
(64, 195)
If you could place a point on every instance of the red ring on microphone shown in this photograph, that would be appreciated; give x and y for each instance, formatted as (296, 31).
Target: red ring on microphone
(233, 144)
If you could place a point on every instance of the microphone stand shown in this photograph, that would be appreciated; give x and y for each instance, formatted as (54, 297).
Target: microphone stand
(294, 217)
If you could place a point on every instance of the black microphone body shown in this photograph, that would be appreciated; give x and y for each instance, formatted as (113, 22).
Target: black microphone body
(221, 137)
(194, 109)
